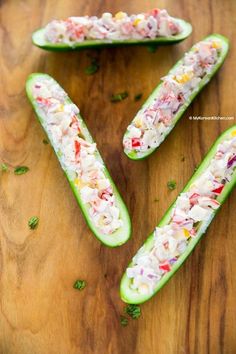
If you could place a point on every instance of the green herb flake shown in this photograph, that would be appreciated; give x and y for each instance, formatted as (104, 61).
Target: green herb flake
(4, 167)
(45, 142)
(33, 222)
(92, 68)
(124, 321)
(119, 96)
(152, 48)
(133, 311)
(138, 97)
(79, 284)
(20, 170)
(156, 200)
(171, 185)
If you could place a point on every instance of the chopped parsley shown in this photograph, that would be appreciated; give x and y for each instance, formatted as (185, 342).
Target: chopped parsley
(93, 67)
(4, 167)
(138, 97)
(171, 185)
(133, 311)
(20, 170)
(119, 96)
(79, 284)
(33, 222)
(123, 321)
(156, 200)
(152, 48)
(45, 142)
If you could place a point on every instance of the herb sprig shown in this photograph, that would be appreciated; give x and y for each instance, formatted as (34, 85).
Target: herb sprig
(93, 67)
(138, 97)
(124, 321)
(4, 167)
(133, 311)
(20, 170)
(79, 284)
(171, 185)
(33, 222)
(117, 97)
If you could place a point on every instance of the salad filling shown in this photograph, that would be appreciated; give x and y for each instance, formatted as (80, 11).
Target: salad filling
(192, 210)
(156, 23)
(156, 119)
(78, 157)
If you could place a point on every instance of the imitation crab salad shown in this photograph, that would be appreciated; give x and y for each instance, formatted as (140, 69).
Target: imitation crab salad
(184, 224)
(78, 156)
(167, 103)
(120, 27)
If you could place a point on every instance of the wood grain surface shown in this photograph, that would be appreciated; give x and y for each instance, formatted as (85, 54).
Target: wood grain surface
(40, 312)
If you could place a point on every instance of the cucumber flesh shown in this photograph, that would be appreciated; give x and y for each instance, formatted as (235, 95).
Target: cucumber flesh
(122, 234)
(132, 296)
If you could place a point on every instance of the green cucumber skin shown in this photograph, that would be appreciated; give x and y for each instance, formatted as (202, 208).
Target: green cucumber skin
(138, 299)
(204, 82)
(120, 201)
(90, 44)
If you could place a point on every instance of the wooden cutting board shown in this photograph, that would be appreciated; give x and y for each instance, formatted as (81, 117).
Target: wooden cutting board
(40, 312)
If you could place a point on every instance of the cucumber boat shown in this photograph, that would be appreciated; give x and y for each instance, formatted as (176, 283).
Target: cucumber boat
(184, 223)
(153, 28)
(96, 193)
(168, 102)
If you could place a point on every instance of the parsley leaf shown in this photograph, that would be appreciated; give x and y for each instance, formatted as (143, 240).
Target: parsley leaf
(171, 185)
(138, 97)
(119, 96)
(123, 321)
(93, 67)
(4, 167)
(20, 170)
(152, 48)
(33, 222)
(133, 311)
(79, 284)
(45, 142)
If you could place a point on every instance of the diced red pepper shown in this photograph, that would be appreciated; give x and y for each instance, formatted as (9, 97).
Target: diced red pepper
(77, 148)
(106, 193)
(165, 267)
(42, 100)
(135, 142)
(154, 12)
(218, 190)
(79, 31)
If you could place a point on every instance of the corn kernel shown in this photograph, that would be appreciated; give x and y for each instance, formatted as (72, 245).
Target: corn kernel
(138, 122)
(233, 133)
(136, 21)
(186, 233)
(216, 45)
(119, 15)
